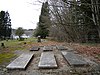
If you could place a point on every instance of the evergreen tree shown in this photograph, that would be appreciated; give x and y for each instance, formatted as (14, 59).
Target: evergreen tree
(5, 25)
(44, 21)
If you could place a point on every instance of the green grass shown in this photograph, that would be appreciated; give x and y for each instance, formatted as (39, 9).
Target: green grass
(5, 57)
(10, 46)
(16, 42)
(18, 45)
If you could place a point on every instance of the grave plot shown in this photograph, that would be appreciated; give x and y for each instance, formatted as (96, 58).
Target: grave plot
(35, 48)
(59, 47)
(47, 60)
(21, 62)
(47, 48)
(74, 59)
(70, 49)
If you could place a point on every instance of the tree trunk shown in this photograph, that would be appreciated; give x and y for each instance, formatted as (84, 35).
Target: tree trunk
(95, 14)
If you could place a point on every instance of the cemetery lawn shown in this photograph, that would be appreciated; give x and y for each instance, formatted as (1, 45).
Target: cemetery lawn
(13, 46)
(5, 57)
(8, 52)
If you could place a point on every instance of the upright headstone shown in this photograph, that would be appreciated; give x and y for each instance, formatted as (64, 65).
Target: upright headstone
(39, 38)
(47, 60)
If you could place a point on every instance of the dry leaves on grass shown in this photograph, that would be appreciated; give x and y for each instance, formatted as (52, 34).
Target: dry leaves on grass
(88, 50)
(49, 43)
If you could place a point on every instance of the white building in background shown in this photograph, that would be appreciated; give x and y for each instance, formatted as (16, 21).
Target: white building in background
(25, 36)
(27, 33)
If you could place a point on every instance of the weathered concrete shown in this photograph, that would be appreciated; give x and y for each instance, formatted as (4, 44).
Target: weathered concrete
(74, 59)
(35, 48)
(47, 48)
(21, 62)
(70, 49)
(61, 47)
(47, 60)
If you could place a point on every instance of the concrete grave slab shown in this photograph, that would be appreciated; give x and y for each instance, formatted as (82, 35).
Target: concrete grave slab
(47, 48)
(74, 59)
(35, 48)
(61, 47)
(21, 62)
(70, 49)
(47, 60)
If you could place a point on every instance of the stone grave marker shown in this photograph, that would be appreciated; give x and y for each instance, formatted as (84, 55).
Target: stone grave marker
(47, 48)
(60, 47)
(74, 59)
(21, 62)
(35, 48)
(47, 60)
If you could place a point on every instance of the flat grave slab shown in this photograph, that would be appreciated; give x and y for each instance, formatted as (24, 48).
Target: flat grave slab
(47, 48)
(35, 48)
(61, 47)
(47, 60)
(74, 59)
(21, 62)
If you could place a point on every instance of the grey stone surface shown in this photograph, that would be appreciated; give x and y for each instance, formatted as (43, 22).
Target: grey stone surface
(35, 48)
(89, 61)
(74, 59)
(61, 47)
(47, 60)
(47, 48)
(70, 49)
(96, 68)
(21, 62)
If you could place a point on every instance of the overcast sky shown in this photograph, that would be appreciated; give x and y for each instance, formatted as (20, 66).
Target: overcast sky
(23, 13)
